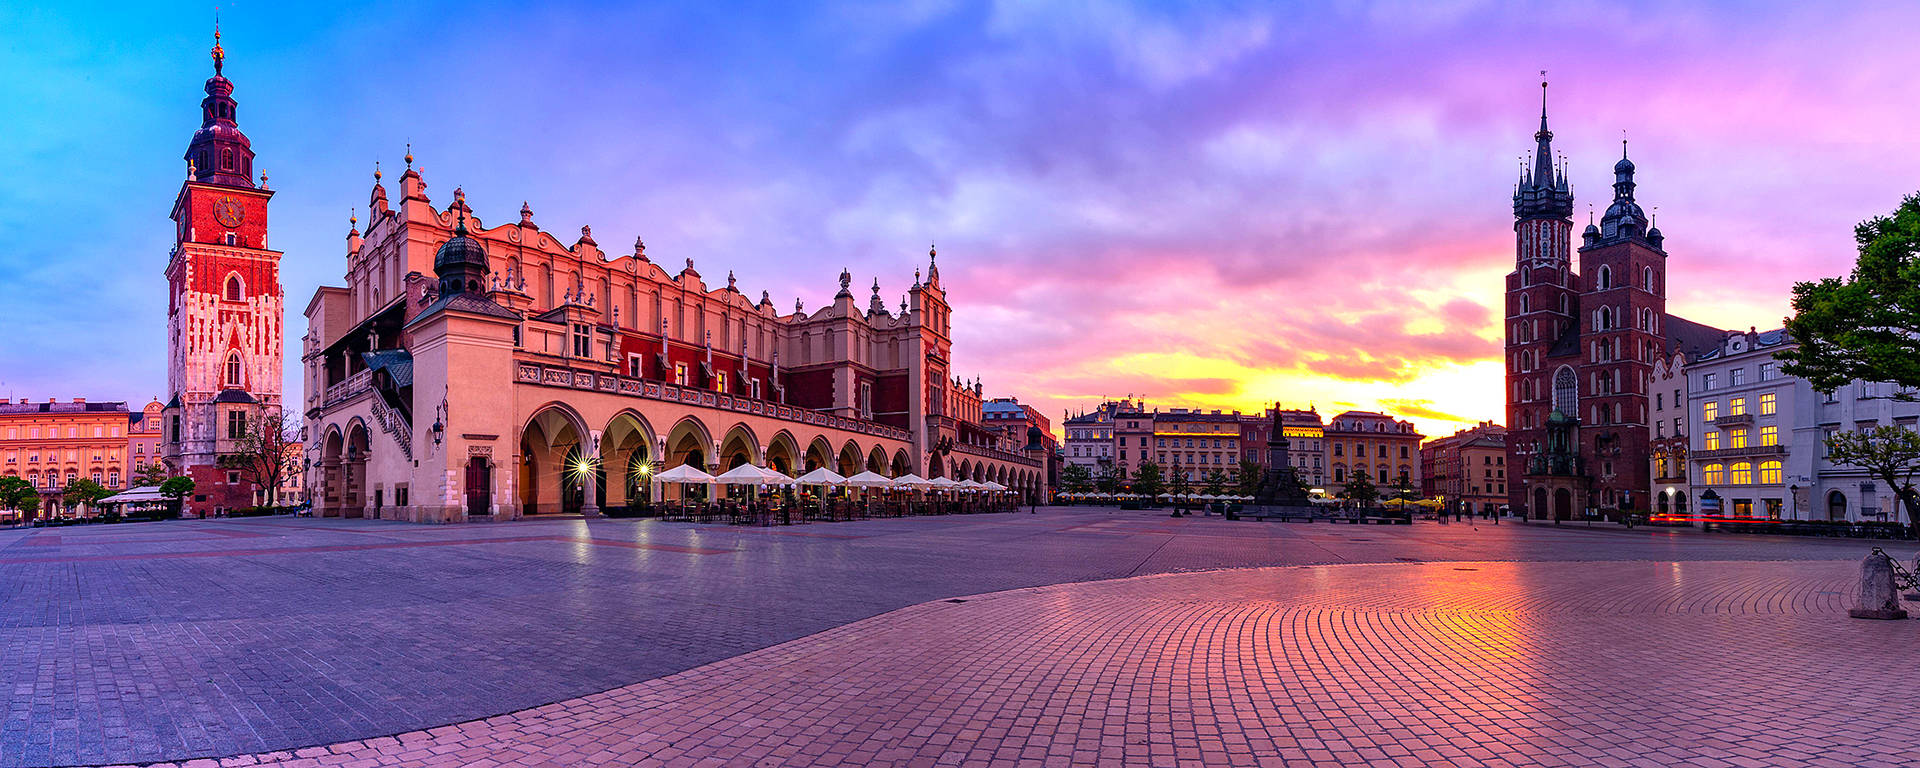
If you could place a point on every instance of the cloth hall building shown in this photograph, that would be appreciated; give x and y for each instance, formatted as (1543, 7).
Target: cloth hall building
(474, 371)
(1581, 344)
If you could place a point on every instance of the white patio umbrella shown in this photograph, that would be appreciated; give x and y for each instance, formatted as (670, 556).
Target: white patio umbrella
(685, 473)
(995, 486)
(745, 474)
(775, 477)
(913, 481)
(821, 476)
(870, 480)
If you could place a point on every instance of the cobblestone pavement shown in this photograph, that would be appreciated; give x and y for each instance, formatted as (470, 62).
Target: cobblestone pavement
(219, 638)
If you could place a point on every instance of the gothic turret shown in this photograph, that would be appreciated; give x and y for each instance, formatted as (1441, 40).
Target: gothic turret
(1542, 193)
(1624, 219)
(220, 153)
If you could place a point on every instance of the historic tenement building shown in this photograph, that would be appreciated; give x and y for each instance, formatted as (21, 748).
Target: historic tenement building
(52, 444)
(467, 370)
(1467, 469)
(1581, 343)
(224, 308)
(1385, 448)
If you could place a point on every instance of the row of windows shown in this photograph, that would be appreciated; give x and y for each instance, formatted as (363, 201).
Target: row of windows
(1737, 406)
(51, 480)
(1161, 442)
(1192, 458)
(33, 457)
(1741, 473)
(1737, 437)
(1340, 474)
(1738, 376)
(1360, 450)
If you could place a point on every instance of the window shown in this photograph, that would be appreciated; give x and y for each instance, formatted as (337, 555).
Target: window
(582, 340)
(1659, 400)
(1737, 438)
(1566, 391)
(1737, 376)
(680, 374)
(1736, 406)
(1770, 473)
(234, 290)
(1338, 449)
(1709, 411)
(1769, 370)
(234, 370)
(1769, 435)
(719, 381)
(1713, 474)
(634, 363)
(1713, 440)
(233, 478)
(236, 424)
(1742, 474)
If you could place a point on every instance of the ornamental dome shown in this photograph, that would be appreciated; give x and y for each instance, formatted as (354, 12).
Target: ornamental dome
(461, 262)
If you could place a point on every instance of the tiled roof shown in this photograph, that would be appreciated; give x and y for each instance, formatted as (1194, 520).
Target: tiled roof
(234, 396)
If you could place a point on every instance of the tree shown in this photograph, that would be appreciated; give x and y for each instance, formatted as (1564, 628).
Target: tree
(1148, 481)
(177, 489)
(1076, 478)
(1216, 482)
(268, 451)
(1891, 454)
(1178, 483)
(150, 474)
(1110, 478)
(1865, 326)
(1249, 478)
(18, 494)
(84, 491)
(1361, 490)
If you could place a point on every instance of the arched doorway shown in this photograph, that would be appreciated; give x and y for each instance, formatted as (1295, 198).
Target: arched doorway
(782, 454)
(819, 454)
(689, 444)
(900, 466)
(1562, 504)
(1539, 504)
(877, 461)
(553, 474)
(1836, 506)
(935, 467)
(626, 447)
(850, 460)
(354, 490)
(332, 474)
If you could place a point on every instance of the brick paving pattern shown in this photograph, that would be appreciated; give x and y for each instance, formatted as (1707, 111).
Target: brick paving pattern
(216, 639)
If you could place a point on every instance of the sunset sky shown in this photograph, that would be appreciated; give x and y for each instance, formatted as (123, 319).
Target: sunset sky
(1219, 205)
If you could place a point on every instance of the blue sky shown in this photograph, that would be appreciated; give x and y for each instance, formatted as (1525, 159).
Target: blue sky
(1211, 204)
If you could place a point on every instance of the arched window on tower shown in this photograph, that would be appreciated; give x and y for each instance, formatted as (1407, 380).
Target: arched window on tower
(226, 159)
(233, 369)
(1526, 304)
(1646, 278)
(234, 291)
(1604, 279)
(1566, 390)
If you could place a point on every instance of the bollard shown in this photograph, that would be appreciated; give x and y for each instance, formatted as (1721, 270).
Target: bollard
(1878, 599)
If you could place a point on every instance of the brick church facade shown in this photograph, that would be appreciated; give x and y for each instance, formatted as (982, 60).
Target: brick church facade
(224, 308)
(1581, 343)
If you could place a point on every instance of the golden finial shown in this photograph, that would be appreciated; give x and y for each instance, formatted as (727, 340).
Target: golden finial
(353, 218)
(219, 54)
(376, 171)
(409, 156)
(263, 179)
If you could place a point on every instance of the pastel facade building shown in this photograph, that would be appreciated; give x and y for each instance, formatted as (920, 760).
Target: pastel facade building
(52, 444)
(1306, 444)
(1386, 448)
(225, 315)
(1744, 409)
(471, 371)
(1090, 435)
(1195, 443)
(1670, 491)
(1817, 487)
(143, 438)
(1468, 469)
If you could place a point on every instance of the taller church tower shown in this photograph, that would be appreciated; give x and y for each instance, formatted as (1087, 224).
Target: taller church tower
(224, 308)
(1541, 304)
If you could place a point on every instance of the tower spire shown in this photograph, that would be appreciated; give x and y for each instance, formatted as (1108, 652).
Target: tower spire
(1543, 152)
(219, 54)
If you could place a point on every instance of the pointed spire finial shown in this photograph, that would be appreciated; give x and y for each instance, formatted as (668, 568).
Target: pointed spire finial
(409, 157)
(376, 171)
(219, 54)
(353, 218)
(460, 202)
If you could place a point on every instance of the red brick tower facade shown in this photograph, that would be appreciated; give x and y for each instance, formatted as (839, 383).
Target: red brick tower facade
(224, 307)
(1542, 300)
(1622, 319)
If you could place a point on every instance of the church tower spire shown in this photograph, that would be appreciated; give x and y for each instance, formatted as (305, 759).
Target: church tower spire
(1543, 193)
(220, 153)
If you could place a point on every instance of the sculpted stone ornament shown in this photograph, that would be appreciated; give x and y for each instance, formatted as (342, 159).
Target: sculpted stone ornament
(1878, 599)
